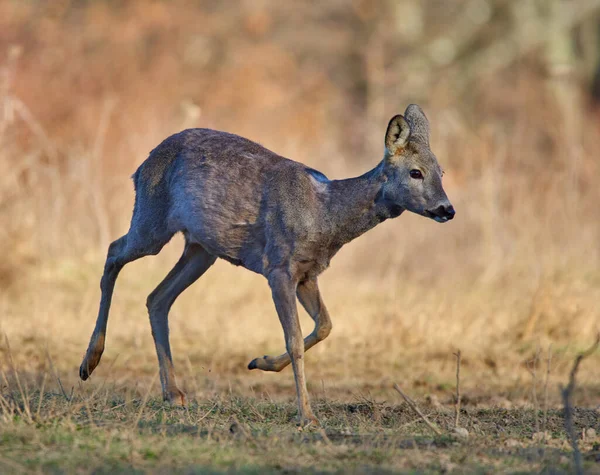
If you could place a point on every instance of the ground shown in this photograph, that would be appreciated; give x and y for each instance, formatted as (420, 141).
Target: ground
(112, 430)
(240, 420)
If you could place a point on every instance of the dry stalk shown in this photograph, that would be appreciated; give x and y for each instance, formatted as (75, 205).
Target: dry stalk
(535, 312)
(24, 395)
(533, 372)
(207, 413)
(60, 385)
(88, 408)
(415, 408)
(41, 398)
(96, 391)
(6, 409)
(567, 393)
(548, 366)
(144, 402)
(457, 406)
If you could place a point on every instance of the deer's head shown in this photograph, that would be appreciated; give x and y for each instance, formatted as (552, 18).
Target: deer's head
(414, 177)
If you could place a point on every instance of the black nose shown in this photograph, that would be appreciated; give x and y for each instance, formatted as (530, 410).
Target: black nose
(446, 212)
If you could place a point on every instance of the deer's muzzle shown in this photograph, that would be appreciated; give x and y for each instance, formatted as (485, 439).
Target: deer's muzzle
(442, 213)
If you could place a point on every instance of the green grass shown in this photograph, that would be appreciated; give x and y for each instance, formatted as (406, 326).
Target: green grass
(123, 432)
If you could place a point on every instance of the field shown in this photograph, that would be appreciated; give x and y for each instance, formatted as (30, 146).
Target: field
(513, 282)
(241, 420)
(121, 431)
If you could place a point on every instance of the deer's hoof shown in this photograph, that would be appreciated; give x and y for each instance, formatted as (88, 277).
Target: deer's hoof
(260, 363)
(88, 365)
(308, 422)
(83, 372)
(92, 357)
(266, 363)
(175, 398)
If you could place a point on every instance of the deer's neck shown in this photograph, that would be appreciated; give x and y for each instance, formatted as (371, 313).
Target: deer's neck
(357, 205)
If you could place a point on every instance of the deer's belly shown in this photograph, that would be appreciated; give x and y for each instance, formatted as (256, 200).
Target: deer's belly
(310, 266)
(306, 270)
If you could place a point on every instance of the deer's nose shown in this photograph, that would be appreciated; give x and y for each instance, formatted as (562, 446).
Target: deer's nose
(445, 212)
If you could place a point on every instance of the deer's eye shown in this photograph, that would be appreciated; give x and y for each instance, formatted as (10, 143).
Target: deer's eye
(416, 174)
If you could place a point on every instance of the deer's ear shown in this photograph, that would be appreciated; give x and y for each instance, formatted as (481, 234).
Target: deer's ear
(397, 134)
(419, 125)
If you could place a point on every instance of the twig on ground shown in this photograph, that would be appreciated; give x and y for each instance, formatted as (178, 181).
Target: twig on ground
(88, 408)
(96, 391)
(207, 413)
(457, 406)
(533, 372)
(255, 411)
(23, 392)
(548, 366)
(60, 385)
(567, 393)
(6, 408)
(144, 402)
(415, 408)
(41, 396)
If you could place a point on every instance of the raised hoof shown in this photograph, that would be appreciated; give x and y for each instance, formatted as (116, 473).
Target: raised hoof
(253, 364)
(175, 398)
(266, 363)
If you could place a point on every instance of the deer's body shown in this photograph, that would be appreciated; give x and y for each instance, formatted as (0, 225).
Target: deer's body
(250, 206)
(234, 199)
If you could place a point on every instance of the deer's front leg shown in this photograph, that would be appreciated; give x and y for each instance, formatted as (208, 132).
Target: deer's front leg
(310, 298)
(284, 296)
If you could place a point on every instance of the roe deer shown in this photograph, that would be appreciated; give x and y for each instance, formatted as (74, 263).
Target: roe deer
(232, 198)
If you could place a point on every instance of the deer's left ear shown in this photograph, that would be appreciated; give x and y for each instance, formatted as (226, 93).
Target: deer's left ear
(397, 134)
(419, 125)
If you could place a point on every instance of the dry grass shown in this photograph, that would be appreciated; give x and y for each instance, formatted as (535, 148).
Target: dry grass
(116, 428)
(516, 271)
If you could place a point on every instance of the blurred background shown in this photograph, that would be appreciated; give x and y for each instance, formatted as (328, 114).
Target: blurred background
(511, 89)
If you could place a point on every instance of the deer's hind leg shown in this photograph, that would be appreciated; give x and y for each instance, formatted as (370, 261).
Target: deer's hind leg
(194, 262)
(309, 296)
(126, 249)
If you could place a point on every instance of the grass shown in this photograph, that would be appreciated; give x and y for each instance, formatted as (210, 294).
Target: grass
(106, 431)
(245, 421)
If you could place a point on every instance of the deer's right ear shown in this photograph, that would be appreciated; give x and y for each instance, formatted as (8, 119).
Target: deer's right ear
(397, 134)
